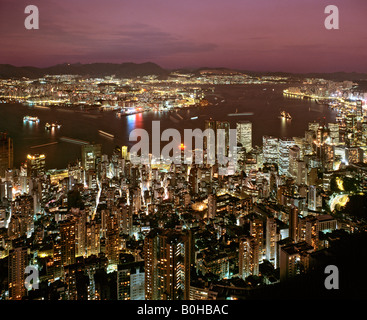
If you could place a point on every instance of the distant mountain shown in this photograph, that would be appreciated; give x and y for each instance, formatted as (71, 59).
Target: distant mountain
(93, 70)
(130, 69)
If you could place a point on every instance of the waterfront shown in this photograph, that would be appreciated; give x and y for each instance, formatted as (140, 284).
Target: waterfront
(260, 104)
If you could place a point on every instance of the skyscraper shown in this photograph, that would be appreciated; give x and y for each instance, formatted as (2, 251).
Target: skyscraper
(6, 153)
(68, 245)
(36, 165)
(167, 265)
(91, 153)
(18, 261)
(244, 134)
(270, 149)
(284, 145)
(248, 260)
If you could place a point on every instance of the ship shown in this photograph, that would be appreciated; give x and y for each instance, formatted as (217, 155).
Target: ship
(129, 111)
(49, 126)
(30, 119)
(285, 115)
(106, 134)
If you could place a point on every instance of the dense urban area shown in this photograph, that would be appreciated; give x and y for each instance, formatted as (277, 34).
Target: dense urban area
(105, 228)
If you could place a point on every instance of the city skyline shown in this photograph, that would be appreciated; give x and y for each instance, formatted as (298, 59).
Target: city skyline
(260, 36)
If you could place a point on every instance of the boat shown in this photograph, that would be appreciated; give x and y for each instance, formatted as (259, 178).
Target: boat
(285, 115)
(30, 119)
(106, 134)
(129, 111)
(49, 126)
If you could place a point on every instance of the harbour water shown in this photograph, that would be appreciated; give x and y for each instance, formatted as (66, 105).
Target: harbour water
(260, 104)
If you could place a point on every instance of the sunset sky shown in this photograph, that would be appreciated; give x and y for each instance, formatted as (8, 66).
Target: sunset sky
(262, 35)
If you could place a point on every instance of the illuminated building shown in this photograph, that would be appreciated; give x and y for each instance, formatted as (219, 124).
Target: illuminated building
(270, 149)
(91, 154)
(334, 132)
(283, 163)
(294, 156)
(257, 231)
(167, 265)
(93, 238)
(248, 261)
(271, 239)
(68, 245)
(212, 206)
(124, 152)
(294, 259)
(17, 262)
(21, 222)
(293, 224)
(36, 165)
(353, 155)
(244, 134)
(6, 153)
(131, 281)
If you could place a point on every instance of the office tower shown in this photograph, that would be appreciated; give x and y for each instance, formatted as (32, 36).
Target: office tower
(244, 134)
(91, 154)
(36, 165)
(284, 146)
(17, 262)
(271, 240)
(6, 153)
(294, 259)
(167, 264)
(293, 223)
(131, 281)
(270, 149)
(248, 260)
(301, 172)
(67, 233)
(334, 132)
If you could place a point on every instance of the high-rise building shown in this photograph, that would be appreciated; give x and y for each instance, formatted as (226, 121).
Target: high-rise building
(353, 155)
(6, 153)
(244, 134)
(167, 264)
(68, 245)
(294, 259)
(248, 260)
(334, 132)
(271, 240)
(36, 165)
(284, 146)
(91, 153)
(131, 281)
(270, 149)
(17, 262)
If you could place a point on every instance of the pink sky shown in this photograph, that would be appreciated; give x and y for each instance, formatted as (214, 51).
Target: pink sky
(262, 35)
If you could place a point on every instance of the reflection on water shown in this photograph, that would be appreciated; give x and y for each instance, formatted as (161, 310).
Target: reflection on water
(263, 105)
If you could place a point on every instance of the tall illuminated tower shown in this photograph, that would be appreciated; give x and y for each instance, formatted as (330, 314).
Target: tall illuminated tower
(244, 134)
(6, 153)
(17, 262)
(167, 265)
